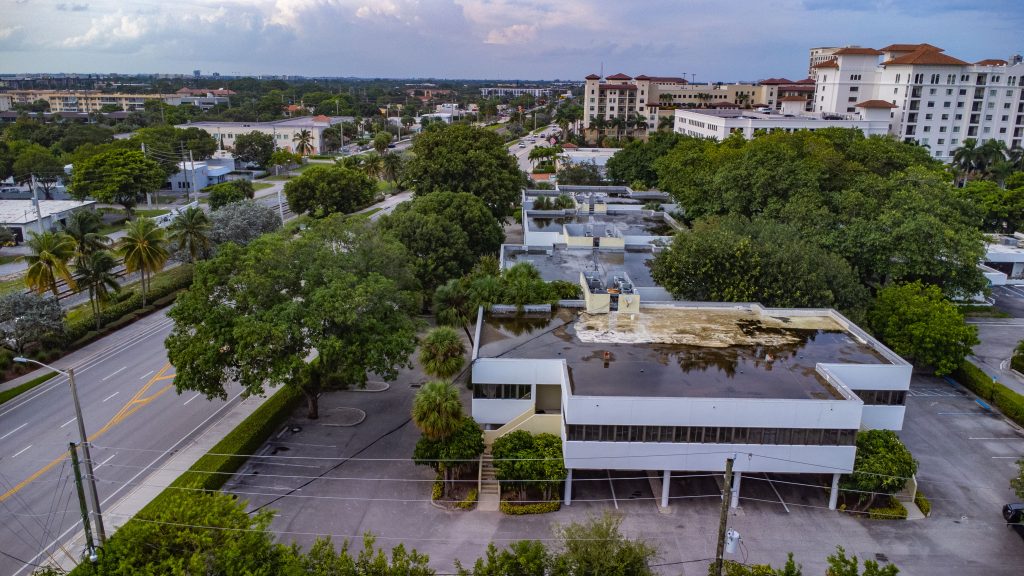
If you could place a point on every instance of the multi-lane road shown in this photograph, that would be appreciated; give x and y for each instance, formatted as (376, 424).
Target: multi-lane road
(135, 420)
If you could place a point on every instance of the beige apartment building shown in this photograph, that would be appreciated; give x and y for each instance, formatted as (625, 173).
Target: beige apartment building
(819, 55)
(284, 132)
(61, 101)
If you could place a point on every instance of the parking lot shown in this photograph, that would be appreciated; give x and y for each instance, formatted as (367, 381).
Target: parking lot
(325, 478)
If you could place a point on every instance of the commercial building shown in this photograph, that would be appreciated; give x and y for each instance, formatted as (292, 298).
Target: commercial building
(206, 174)
(938, 100)
(513, 91)
(1004, 259)
(94, 100)
(24, 216)
(284, 132)
(871, 118)
(632, 380)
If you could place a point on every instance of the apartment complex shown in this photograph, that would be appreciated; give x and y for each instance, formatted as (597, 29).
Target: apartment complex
(283, 131)
(937, 100)
(62, 101)
(819, 55)
(513, 91)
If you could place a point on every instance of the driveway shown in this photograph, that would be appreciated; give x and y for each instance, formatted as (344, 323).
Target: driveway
(999, 337)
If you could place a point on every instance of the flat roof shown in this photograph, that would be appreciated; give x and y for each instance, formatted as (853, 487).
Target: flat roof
(738, 114)
(620, 223)
(23, 212)
(566, 264)
(303, 121)
(720, 351)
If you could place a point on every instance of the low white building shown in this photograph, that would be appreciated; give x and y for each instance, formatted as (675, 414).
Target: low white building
(681, 387)
(206, 174)
(24, 216)
(1004, 259)
(284, 132)
(871, 118)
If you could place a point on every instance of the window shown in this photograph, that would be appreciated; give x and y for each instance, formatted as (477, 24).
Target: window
(502, 391)
(945, 116)
(927, 128)
(918, 78)
(927, 116)
(897, 78)
(934, 79)
(963, 91)
(851, 99)
(946, 104)
(854, 88)
(713, 434)
(941, 141)
(883, 397)
(950, 78)
(931, 104)
(931, 90)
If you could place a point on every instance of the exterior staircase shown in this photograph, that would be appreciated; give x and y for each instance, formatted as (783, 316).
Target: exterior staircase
(490, 490)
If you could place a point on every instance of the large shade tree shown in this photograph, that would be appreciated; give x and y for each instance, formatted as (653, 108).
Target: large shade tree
(255, 314)
(37, 164)
(461, 158)
(325, 190)
(116, 177)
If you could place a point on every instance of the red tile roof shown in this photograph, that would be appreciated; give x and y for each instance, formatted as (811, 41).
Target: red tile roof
(642, 77)
(925, 57)
(669, 79)
(833, 63)
(321, 118)
(991, 62)
(909, 47)
(775, 81)
(857, 52)
(806, 81)
(796, 88)
(874, 104)
(593, 77)
(620, 76)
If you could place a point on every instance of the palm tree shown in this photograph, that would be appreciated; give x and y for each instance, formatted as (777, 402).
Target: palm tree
(373, 165)
(303, 142)
(599, 124)
(537, 153)
(666, 122)
(84, 228)
(967, 155)
(190, 231)
(48, 261)
(143, 251)
(1015, 156)
(618, 123)
(436, 410)
(999, 171)
(453, 306)
(442, 353)
(391, 168)
(991, 152)
(94, 272)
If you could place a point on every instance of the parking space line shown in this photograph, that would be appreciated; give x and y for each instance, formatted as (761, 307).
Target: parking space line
(612, 484)
(781, 501)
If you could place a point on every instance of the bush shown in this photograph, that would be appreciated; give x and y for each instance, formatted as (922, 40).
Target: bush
(1017, 362)
(214, 469)
(21, 389)
(437, 492)
(533, 508)
(469, 501)
(1010, 403)
(895, 511)
(922, 503)
(975, 380)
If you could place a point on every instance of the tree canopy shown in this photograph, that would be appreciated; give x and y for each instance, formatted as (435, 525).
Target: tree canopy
(254, 314)
(484, 234)
(920, 324)
(254, 147)
(461, 158)
(325, 190)
(882, 466)
(225, 193)
(29, 319)
(116, 177)
(242, 222)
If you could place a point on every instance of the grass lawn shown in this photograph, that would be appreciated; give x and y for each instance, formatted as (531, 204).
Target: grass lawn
(261, 185)
(151, 213)
(8, 258)
(13, 392)
(8, 286)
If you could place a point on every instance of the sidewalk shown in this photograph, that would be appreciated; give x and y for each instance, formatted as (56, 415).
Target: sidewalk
(148, 487)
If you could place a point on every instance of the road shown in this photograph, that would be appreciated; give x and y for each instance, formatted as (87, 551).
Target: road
(522, 155)
(134, 418)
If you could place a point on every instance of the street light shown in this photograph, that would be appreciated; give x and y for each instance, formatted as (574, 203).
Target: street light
(70, 373)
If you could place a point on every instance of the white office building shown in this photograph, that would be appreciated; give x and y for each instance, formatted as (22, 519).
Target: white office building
(514, 91)
(871, 118)
(284, 132)
(938, 100)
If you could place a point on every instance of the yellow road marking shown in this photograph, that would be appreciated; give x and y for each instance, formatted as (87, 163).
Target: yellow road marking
(137, 401)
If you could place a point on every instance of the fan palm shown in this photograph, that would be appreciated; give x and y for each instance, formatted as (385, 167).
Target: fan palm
(84, 228)
(442, 353)
(966, 155)
(48, 261)
(95, 273)
(373, 165)
(143, 251)
(303, 142)
(391, 168)
(454, 307)
(190, 231)
(436, 410)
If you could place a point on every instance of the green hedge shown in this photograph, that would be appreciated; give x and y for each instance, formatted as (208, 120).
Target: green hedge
(128, 306)
(21, 389)
(894, 511)
(1010, 403)
(534, 508)
(438, 490)
(922, 503)
(469, 501)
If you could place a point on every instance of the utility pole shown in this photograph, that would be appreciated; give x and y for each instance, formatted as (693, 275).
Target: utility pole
(724, 516)
(192, 160)
(97, 516)
(280, 206)
(35, 203)
(83, 505)
(149, 195)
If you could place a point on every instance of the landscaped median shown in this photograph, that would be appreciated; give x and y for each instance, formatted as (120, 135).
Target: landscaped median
(1010, 403)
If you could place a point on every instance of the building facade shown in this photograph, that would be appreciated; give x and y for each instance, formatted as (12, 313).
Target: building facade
(938, 100)
(819, 55)
(513, 91)
(69, 101)
(284, 132)
(871, 118)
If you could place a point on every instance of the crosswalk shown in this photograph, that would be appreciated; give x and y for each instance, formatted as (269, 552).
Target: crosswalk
(1009, 291)
(933, 392)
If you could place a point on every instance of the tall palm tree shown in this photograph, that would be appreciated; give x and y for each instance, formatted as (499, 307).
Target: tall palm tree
(303, 142)
(966, 155)
(95, 272)
(436, 409)
(1015, 156)
(84, 228)
(391, 168)
(537, 153)
(991, 152)
(453, 306)
(143, 251)
(190, 231)
(666, 122)
(48, 261)
(999, 171)
(442, 353)
(599, 124)
(373, 165)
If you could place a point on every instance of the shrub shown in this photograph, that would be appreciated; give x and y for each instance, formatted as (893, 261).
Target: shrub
(922, 503)
(975, 380)
(469, 501)
(1010, 403)
(532, 508)
(895, 511)
(438, 490)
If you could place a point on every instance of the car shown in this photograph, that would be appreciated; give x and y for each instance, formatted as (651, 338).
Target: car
(522, 145)
(392, 145)
(1014, 513)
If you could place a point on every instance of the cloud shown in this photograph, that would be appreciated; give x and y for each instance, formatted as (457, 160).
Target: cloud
(72, 7)
(9, 31)
(515, 34)
(110, 31)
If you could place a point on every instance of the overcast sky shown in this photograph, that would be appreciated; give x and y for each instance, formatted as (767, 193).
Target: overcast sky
(723, 40)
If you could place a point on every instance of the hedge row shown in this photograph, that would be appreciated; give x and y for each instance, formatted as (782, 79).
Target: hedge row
(215, 467)
(163, 290)
(8, 394)
(894, 511)
(469, 501)
(1010, 403)
(534, 508)
(922, 503)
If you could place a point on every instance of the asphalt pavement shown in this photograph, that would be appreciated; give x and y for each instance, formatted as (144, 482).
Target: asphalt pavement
(135, 420)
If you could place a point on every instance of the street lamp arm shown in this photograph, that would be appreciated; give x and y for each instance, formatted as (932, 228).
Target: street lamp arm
(23, 360)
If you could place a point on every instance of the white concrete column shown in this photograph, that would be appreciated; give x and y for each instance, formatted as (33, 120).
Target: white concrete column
(736, 477)
(568, 488)
(833, 497)
(665, 482)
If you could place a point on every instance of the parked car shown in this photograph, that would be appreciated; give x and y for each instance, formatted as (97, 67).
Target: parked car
(522, 145)
(1014, 513)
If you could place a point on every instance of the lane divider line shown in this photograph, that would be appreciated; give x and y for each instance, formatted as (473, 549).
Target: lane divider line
(115, 373)
(13, 431)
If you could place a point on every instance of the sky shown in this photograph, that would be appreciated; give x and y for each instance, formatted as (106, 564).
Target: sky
(715, 40)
